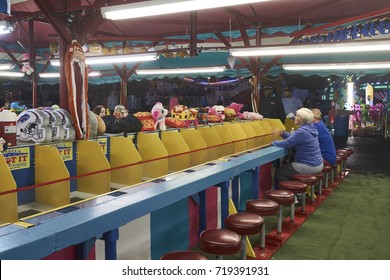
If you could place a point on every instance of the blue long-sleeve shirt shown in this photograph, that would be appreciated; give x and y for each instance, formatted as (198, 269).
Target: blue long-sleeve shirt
(305, 143)
(327, 147)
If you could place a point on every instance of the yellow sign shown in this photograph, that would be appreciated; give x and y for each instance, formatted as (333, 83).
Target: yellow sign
(102, 143)
(65, 150)
(17, 158)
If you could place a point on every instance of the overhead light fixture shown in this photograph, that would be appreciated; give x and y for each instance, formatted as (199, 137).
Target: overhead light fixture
(337, 66)
(193, 70)
(163, 7)
(57, 75)
(11, 74)
(6, 27)
(367, 46)
(6, 66)
(109, 59)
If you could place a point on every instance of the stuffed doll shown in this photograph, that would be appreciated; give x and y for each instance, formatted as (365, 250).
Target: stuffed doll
(252, 116)
(237, 107)
(159, 113)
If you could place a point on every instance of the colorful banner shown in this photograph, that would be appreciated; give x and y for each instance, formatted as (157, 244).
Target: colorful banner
(18, 158)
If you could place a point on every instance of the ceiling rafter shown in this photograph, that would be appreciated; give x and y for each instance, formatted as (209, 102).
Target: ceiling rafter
(306, 10)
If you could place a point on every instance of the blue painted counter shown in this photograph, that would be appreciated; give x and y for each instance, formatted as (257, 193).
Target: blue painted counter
(92, 218)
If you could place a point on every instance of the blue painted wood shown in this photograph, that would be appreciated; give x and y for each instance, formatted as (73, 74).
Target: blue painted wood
(104, 213)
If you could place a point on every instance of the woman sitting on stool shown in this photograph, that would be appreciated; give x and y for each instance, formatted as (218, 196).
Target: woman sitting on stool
(304, 141)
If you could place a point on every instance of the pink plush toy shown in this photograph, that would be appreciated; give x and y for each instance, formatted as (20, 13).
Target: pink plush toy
(252, 116)
(237, 107)
(217, 110)
(159, 113)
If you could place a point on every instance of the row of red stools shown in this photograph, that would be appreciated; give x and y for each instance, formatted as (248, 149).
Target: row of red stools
(232, 239)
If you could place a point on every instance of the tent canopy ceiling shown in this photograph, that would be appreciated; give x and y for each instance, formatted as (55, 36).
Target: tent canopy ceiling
(215, 28)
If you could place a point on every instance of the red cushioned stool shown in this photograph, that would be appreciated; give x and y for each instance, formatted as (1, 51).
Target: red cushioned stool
(262, 207)
(282, 197)
(326, 170)
(220, 242)
(343, 163)
(183, 255)
(295, 187)
(309, 179)
(244, 224)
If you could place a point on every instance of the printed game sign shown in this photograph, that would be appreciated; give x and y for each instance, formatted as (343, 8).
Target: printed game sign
(102, 143)
(65, 150)
(17, 158)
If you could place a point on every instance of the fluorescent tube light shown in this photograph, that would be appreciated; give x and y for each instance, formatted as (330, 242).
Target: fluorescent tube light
(337, 66)
(6, 66)
(109, 59)
(163, 7)
(11, 74)
(193, 70)
(57, 75)
(368, 46)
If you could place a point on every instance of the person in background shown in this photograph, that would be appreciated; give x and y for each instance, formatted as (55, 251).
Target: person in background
(327, 147)
(271, 106)
(120, 111)
(100, 110)
(112, 101)
(290, 103)
(304, 141)
(173, 101)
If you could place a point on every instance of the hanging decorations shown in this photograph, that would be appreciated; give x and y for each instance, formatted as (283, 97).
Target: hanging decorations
(76, 74)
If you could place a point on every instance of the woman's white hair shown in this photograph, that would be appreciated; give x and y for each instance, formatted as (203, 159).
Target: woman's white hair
(306, 115)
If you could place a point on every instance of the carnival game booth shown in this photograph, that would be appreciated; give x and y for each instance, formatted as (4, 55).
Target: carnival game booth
(134, 197)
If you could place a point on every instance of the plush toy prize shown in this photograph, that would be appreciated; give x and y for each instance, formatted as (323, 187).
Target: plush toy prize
(159, 113)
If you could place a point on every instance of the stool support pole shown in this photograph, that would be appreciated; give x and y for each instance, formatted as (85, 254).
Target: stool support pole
(280, 219)
(312, 193)
(303, 202)
(243, 248)
(262, 235)
(326, 180)
(320, 187)
(292, 212)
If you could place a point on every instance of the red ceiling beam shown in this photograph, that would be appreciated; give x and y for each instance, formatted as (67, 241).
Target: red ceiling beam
(57, 21)
(309, 9)
(10, 54)
(254, 69)
(323, 28)
(244, 17)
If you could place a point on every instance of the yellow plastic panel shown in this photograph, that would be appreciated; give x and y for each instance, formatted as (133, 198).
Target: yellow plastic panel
(175, 144)
(276, 126)
(251, 134)
(49, 166)
(150, 147)
(213, 141)
(269, 137)
(8, 202)
(260, 133)
(289, 124)
(122, 153)
(196, 144)
(92, 159)
(227, 138)
(239, 136)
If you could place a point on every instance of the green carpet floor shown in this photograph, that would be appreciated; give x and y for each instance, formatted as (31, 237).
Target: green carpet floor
(352, 224)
